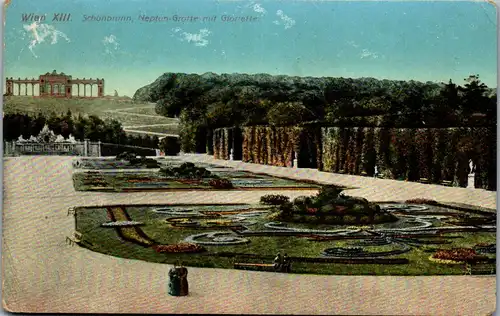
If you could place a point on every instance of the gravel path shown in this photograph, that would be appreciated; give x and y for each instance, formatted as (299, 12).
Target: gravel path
(42, 274)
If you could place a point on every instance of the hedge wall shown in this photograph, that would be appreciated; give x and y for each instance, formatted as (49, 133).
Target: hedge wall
(276, 146)
(436, 154)
(411, 154)
(221, 143)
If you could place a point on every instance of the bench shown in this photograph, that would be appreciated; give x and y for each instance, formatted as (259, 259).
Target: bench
(447, 183)
(254, 266)
(479, 268)
(424, 180)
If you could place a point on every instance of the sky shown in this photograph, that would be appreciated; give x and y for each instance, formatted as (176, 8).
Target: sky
(424, 41)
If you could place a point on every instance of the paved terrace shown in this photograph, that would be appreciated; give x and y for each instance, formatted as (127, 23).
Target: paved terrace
(368, 187)
(43, 274)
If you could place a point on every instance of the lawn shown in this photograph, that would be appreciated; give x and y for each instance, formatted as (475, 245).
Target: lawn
(172, 224)
(165, 129)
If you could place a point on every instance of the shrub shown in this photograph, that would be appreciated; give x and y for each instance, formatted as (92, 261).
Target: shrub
(421, 201)
(128, 156)
(170, 145)
(274, 199)
(187, 171)
(302, 201)
(220, 184)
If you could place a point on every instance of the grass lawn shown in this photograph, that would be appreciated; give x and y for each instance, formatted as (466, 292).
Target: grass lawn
(166, 129)
(99, 107)
(150, 110)
(156, 227)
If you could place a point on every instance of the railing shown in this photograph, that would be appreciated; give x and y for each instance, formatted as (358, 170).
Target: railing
(85, 148)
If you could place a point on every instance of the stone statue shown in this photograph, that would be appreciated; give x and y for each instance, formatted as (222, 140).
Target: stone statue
(231, 155)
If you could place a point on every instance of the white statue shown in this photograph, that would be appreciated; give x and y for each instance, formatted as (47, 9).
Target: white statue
(46, 135)
(471, 167)
(21, 139)
(231, 155)
(60, 139)
(71, 139)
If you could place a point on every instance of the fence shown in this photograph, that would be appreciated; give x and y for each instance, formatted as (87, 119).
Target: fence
(85, 148)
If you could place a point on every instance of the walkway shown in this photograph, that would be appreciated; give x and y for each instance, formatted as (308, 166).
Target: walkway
(42, 274)
(370, 188)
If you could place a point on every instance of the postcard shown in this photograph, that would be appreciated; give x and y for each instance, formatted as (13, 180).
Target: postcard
(249, 157)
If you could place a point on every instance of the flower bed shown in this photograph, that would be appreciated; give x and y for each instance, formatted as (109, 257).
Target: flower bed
(179, 248)
(456, 255)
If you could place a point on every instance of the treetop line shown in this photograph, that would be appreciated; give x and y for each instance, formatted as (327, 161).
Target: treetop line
(56, 85)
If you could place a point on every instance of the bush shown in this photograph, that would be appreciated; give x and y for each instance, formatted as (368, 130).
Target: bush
(221, 183)
(187, 171)
(421, 201)
(170, 145)
(274, 199)
(128, 156)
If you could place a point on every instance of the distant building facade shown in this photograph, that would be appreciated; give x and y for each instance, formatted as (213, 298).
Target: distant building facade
(55, 85)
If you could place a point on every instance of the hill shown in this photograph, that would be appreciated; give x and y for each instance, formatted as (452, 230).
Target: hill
(135, 117)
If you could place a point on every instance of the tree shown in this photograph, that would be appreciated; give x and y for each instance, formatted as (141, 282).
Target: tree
(288, 113)
(474, 97)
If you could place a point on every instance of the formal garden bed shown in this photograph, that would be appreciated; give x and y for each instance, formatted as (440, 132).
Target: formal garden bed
(220, 235)
(180, 177)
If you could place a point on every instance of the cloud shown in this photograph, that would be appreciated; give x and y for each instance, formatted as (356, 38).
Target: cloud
(353, 44)
(110, 44)
(366, 54)
(284, 20)
(38, 33)
(198, 39)
(259, 9)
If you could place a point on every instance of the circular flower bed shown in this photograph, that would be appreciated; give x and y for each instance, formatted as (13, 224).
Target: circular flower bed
(218, 238)
(375, 241)
(121, 224)
(178, 248)
(455, 255)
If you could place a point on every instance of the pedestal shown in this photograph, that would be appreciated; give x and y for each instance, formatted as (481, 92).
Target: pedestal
(470, 182)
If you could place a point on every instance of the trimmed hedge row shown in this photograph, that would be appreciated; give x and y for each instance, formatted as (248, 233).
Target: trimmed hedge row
(411, 154)
(435, 154)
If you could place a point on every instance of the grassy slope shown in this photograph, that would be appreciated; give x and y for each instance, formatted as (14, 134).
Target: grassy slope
(99, 107)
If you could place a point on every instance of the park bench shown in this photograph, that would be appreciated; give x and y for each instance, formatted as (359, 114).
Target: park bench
(254, 266)
(424, 180)
(479, 268)
(446, 183)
